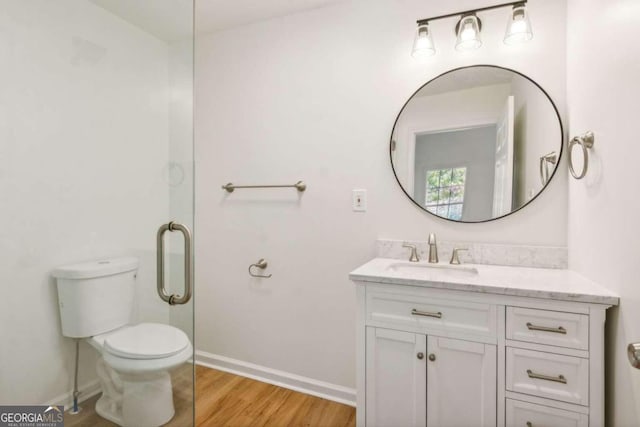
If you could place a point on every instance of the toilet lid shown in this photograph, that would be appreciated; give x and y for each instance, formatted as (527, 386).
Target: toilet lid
(146, 341)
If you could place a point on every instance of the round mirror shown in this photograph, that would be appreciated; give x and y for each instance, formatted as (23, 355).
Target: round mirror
(476, 143)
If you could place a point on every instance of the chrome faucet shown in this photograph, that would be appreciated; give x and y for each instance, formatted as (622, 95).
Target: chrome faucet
(433, 249)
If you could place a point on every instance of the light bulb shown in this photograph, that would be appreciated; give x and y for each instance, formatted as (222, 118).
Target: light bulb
(468, 34)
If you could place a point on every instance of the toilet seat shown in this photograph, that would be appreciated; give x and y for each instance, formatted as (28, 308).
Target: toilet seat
(146, 347)
(146, 341)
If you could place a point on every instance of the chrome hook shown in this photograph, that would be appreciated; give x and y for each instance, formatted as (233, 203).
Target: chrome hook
(261, 264)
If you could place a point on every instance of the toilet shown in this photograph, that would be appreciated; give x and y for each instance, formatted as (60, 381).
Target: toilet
(96, 301)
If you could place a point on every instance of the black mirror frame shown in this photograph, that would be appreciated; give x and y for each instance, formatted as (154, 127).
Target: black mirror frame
(562, 143)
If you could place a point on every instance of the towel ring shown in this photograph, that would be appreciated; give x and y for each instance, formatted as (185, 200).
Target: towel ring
(586, 142)
(545, 161)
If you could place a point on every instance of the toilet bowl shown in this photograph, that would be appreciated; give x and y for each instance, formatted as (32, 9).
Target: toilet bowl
(133, 372)
(96, 304)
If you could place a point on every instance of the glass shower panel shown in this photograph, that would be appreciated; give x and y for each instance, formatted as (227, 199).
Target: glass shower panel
(96, 153)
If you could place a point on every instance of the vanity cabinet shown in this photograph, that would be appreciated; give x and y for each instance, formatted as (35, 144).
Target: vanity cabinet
(407, 373)
(436, 357)
(404, 377)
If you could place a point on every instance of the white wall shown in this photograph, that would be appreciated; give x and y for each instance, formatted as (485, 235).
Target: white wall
(313, 96)
(603, 91)
(83, 144)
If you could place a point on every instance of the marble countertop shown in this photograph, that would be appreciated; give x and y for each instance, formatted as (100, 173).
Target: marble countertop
(556, 284)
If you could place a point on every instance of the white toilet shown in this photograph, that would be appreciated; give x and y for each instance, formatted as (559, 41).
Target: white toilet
(96, 303)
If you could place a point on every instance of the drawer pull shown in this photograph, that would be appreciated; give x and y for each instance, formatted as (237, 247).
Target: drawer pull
(558, 330)
(415, 312)
(558, 379)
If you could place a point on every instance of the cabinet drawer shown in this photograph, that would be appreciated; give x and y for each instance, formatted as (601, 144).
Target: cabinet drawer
(548, 375)
(548, 327)
(429, 314)
(524, 414)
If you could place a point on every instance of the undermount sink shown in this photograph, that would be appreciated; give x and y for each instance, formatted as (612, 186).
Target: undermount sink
(422, 268)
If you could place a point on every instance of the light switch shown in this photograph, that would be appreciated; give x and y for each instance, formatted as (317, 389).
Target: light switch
(359, 202)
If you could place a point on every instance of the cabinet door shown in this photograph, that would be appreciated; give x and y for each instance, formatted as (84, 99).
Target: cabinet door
(461, 383)
(395, 378)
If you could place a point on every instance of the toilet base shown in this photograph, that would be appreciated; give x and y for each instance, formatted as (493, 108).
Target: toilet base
(135, 400)
(105, 410)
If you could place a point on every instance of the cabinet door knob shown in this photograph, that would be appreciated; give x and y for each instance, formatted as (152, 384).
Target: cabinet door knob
(420, 356)
(432, 357)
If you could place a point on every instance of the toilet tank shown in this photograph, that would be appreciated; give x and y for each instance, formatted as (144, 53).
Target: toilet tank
(96, 297)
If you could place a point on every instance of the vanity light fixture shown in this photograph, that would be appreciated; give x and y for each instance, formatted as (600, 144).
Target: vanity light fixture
(469, 26)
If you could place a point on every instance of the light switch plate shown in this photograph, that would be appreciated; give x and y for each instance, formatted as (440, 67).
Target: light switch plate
(359, 200)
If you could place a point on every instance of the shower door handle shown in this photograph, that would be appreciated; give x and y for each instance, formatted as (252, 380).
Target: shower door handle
(188, 264)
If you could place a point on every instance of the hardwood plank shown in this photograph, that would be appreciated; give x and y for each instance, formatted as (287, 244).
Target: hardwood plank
(224, 399)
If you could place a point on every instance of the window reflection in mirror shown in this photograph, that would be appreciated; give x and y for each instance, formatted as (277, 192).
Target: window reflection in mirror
(468, 145)
(444, 194)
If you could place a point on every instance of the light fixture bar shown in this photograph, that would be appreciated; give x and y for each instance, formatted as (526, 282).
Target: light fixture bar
(471, 11)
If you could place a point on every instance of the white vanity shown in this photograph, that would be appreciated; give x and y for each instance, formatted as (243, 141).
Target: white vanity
(478, 345)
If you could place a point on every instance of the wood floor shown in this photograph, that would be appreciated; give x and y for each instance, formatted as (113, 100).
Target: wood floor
(224, 399)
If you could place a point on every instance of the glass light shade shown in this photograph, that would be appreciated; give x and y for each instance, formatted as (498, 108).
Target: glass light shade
(423, 44)
(468, 33)
(518, 26)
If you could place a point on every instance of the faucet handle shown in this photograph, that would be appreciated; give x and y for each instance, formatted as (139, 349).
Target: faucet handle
(432, 238)
(414, 252)
(454, 256)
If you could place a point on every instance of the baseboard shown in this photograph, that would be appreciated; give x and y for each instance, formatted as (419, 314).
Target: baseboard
(284, 379)
(87, 391)
(288, 380)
